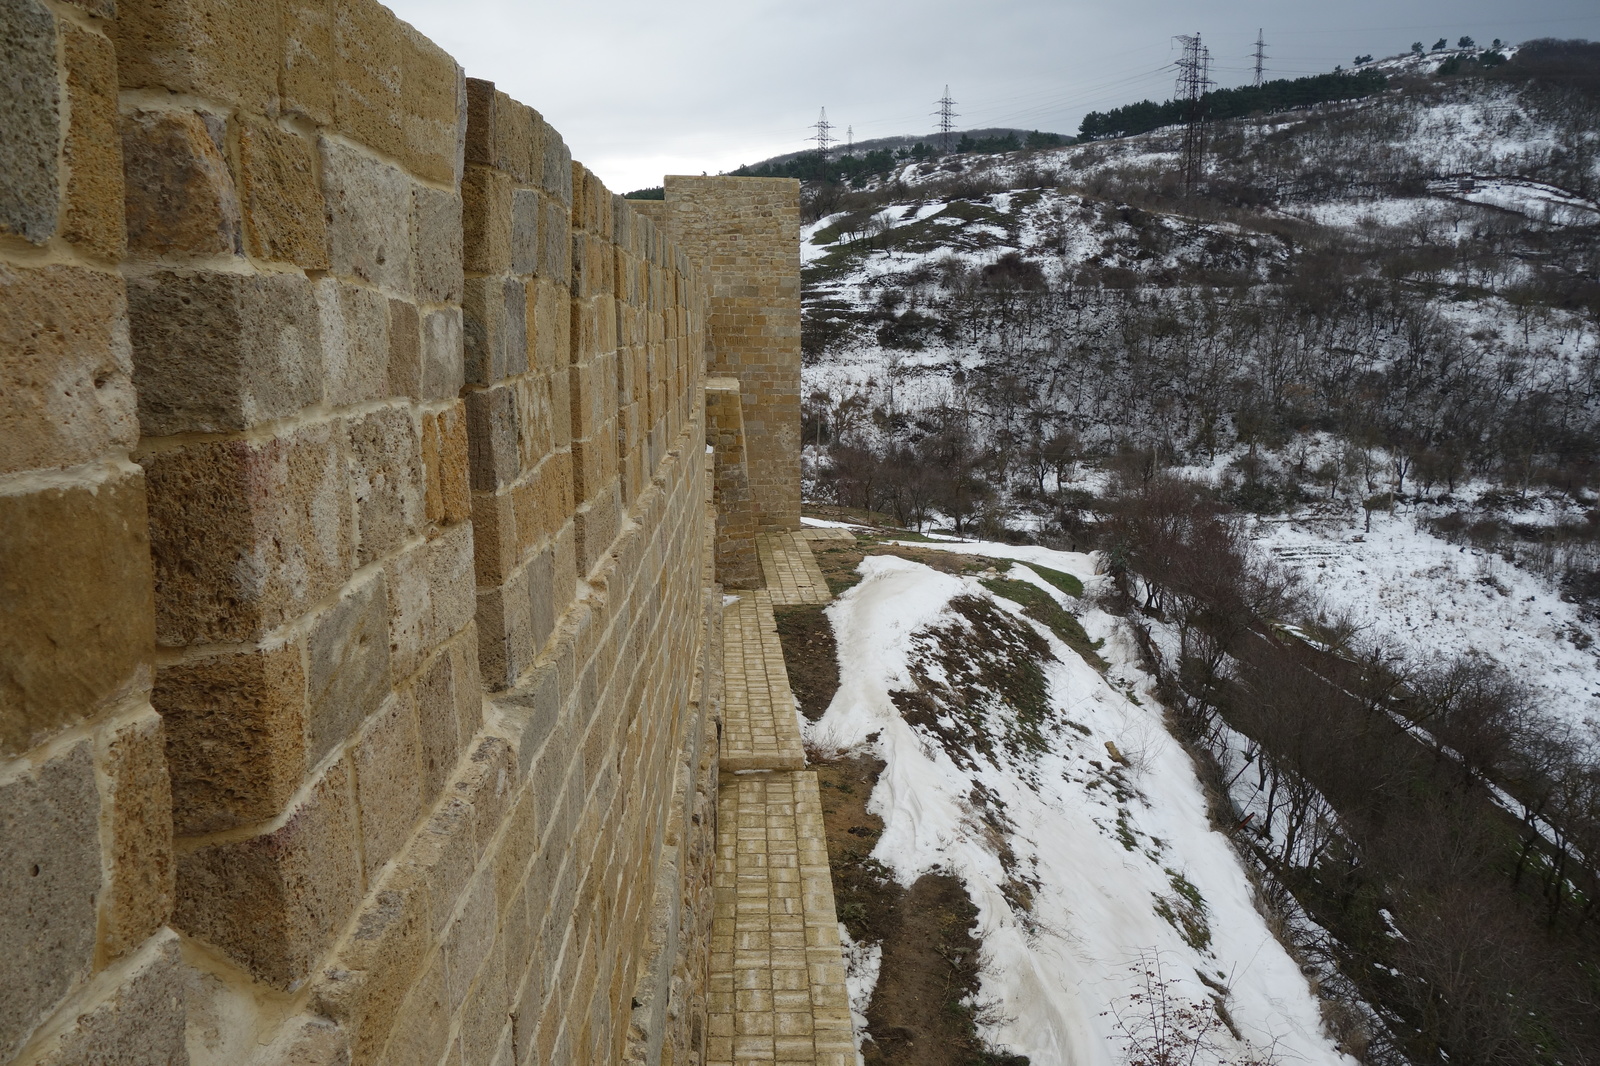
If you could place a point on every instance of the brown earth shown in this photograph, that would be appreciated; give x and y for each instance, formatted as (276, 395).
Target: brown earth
(810, 655)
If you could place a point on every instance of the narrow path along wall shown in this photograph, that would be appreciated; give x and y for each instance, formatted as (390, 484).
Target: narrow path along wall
(359, 634)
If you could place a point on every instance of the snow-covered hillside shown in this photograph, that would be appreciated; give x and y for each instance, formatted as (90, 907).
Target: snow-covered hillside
(1081, 837)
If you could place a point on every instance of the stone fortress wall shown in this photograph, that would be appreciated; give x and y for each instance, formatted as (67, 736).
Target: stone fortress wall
(359, 622)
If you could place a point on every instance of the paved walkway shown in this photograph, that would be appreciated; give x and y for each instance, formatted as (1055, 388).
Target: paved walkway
(777, 990)
(790, 570)
(760, 726)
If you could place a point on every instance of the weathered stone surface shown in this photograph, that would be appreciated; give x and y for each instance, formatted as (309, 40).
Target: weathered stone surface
(142, 1021)
(308, 1041)
(140, 898)
(405, 349)
(369, 217)
(436, 232)
(526, 210)
(444, 455)
(440, 743)
(347, 656)
(283, 210)
(557, 167)
(217, 49)
(481, 102)
(423, 1030)
(66, 386)
(275, 902)
(387, 476)
(486, 220)
(180, 195)
(354, 325)
(307, 77)
(30, 113)
(386, 762)
(514, 292)
(73, 575)
(246, 534)
(235, 736)
(94, 205)
(50, 877)
(484, 330)
(215, 352)
(443, 371)
(492, 437)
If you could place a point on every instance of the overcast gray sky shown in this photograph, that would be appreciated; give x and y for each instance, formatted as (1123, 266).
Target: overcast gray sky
(641, 89)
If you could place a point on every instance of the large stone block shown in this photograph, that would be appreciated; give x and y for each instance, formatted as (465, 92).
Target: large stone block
(219, 49)
(275, 902)
(437, 730)
(549, 331)
(386, 762)
(283, 209)
(66, 388)
(347, 666)
(433, 108)
(536, 420)
(555, 241)
(30, 113)
(405, 349)
(369, 215)
(436, 233)
(246, 534)
(180, 195)
(75, 604)
(483, 311)
(515, 147)
(94, 205)
(354, 326)
(214, 352)
(443, 366)
(143, 1020)
(235, 735)
(480, 139)
(50, 876)
(444, 456)
(139, 901)
(387, 475)
(308, 76)
(486, 220)
(367, 80)
(557, 166)
(492, 437)
(505, 630)
(422, 1032)
(545, 501)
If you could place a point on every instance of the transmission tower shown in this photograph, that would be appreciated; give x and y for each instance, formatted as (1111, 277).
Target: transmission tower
(1260, 56)
(824, 135)
(947, 119)
(1194, 79)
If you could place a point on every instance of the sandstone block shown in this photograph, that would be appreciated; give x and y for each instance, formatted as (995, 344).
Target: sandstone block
(235, 736)
(495, 547)
(285, 218)
(444, 455)
(94, 204)
(484, 330)
(143, 1020)
(422, 1032)
(246, 534)
(469, 938)
(275, 902)
(354, 327)
(557, 166)
(368, 74)
(308, 1041)
(212, 48)
(73, 575)
(535, 419)
(525, 213)
(450, 581)
(555, 240)
(596, 528)
(309, 62)
(347, 666)
(544, 502)
(492, 437)
(549, 333)
(50, 838)
(481, 102)
(405, 350)
(486, 220)
(593, 395)
(436, 231)
(485, 1016)
(433, 108)
(386, 765)
(505, 630)
(443, 368)
(367, 981)
(514, 139)
(387, 475)
(594, 463)
(30, 113)
(140, 898)
(66, 387)
(215, 352)
(180, 195)
(369, 215)
(436, 709)
(515, 294)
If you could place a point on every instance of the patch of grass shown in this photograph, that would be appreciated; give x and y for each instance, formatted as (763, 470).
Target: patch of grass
(1037, 604)
(1065, 582)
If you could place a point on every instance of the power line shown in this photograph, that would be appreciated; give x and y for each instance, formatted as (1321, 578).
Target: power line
(1260, 56)
(947, 118)
(824, 135)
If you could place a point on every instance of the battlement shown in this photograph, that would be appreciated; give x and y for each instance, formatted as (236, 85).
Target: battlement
(360, 600)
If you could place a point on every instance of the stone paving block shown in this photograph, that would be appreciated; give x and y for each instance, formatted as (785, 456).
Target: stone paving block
(790, 570)
(50, 877)
(30, 113)
(761, 727)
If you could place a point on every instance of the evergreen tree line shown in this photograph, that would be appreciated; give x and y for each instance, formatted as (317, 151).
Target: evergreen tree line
(1281, 95)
